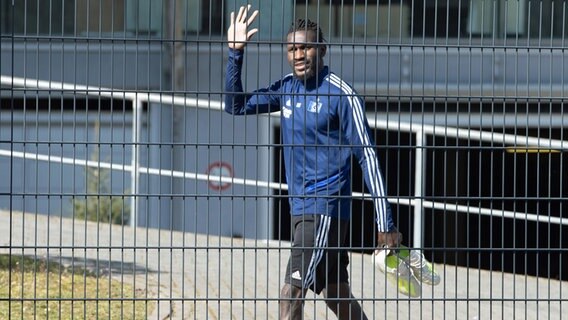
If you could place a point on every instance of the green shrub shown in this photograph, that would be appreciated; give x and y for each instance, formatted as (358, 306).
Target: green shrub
(99, 205)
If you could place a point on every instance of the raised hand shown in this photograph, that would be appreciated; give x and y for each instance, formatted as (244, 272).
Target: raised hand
(238, 35)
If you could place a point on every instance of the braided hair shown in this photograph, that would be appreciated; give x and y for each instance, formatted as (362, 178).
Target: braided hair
(307, 25)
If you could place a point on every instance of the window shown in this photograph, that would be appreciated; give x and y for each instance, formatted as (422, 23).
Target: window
(369, 20)
(37, 17)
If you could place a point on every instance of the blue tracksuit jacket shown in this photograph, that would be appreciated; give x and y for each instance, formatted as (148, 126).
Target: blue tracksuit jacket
(322, 124)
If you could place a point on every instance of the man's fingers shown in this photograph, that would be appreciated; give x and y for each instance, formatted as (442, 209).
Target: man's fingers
(240, 14)
(251, 33)
(252, 17)
(390, 239)
(243, 12)
(246, 12)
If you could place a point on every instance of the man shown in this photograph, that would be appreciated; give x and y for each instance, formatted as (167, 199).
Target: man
(322, 123)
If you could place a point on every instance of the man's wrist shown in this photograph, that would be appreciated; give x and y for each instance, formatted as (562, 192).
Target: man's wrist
(236, 51)
(390, 228)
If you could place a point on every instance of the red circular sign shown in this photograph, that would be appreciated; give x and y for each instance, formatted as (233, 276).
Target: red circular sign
(216, 170)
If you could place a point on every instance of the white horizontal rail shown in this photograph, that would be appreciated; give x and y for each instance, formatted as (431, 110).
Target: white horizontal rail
(485, 136)
(275, 185)
(109, 93)
(453, 132)
(143, 170)
(495, 212)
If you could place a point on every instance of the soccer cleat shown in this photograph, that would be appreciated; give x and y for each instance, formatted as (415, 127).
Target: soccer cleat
(397, 272)
(421, 268)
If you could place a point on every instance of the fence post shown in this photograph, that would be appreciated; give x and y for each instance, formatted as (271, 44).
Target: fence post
(420, 165)
(134, 173)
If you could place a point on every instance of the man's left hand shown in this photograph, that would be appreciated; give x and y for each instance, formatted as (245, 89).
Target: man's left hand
(391, 238)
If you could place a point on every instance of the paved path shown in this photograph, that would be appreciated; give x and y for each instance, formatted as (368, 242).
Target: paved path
(210, 277)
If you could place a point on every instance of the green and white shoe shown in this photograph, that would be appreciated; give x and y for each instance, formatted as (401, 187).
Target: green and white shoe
(397, 272)
(422, 269)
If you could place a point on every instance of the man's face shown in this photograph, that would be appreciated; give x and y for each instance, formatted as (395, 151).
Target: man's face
(304, 55)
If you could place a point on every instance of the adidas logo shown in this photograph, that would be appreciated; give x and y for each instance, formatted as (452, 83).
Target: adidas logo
(296, 275)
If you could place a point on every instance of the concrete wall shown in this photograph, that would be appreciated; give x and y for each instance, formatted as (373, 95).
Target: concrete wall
(468, 72)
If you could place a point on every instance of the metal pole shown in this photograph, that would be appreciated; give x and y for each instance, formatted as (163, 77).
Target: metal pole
(420, 164)
(134, 173)
(174, 79)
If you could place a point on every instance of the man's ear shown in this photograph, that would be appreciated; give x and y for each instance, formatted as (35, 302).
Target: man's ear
(323, 50)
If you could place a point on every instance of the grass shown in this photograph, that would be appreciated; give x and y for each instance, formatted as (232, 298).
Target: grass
(56, 292)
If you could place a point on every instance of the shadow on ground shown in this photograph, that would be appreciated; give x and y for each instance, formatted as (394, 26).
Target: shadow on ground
(96, 267)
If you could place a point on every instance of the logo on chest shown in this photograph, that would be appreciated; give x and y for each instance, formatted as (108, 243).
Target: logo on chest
(289, 104)
(314, 106)
(286, 112)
